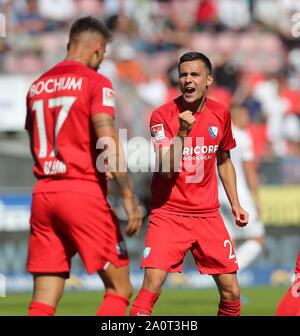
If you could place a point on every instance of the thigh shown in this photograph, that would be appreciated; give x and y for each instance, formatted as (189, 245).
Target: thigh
(94, 230)
(213, 250)
(168, 239)
(48, 288)
(50, 250)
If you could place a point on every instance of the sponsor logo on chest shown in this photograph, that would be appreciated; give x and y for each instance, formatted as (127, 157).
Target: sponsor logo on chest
(198, 150)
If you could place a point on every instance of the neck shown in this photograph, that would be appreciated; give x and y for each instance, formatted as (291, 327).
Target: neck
(78, 53)
(195, 107)
(75, 59)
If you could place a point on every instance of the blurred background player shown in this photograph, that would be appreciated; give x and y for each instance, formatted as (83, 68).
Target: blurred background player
(69, 108)
(290, 303)
(191, 133)
(242, 157)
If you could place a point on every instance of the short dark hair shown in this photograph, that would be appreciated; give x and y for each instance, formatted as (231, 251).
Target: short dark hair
(192, 56)
(89, 23)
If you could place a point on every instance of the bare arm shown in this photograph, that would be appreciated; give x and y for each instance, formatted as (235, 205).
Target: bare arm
(228, 177)
(170, 157)
(104, 128)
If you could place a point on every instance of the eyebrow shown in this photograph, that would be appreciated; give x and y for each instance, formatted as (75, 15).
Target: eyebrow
(192, 73)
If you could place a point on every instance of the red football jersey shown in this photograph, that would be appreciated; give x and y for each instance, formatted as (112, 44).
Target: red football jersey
(59, 109)
(297, 268)
(193, 190)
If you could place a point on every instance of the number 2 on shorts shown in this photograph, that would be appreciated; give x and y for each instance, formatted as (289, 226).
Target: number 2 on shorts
(231, 254)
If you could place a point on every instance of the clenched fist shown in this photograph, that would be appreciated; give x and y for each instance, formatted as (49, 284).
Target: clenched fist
(186, 121)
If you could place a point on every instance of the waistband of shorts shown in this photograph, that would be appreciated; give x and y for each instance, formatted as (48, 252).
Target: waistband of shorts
(70, 185)
(214, 213)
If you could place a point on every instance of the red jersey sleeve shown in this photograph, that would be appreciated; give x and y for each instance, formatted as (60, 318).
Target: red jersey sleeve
(102, 97)
(160, 134)
(228, 141)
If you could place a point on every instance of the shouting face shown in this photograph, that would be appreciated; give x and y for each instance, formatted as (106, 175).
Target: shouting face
(194, 78)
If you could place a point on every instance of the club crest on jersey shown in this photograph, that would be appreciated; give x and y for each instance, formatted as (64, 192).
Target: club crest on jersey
(158, 132)
(146, 252)
(108, 97)
(213, 131)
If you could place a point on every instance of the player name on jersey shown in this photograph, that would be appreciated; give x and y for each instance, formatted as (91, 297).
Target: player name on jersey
(54, 167)
(56, 84)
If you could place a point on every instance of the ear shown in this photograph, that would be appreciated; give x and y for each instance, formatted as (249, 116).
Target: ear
(209, 80)
(96, 51)
(100, 46)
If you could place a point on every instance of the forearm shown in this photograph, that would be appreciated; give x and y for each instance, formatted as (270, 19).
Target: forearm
(124, 184)
(170, 161)
(118, 168)
(112, 158)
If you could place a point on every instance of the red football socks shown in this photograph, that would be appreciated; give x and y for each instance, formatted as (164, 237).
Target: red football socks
(229, 308)
(40, 309)
(143, 303)
(113, 305)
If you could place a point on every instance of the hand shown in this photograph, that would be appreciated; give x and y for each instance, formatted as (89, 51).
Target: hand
(241, 216)
(186, 121)
(134, 216)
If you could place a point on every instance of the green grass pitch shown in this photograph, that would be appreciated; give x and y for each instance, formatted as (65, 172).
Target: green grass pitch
(258, 301)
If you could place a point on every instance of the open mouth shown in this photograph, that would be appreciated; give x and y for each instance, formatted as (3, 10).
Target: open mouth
(189, 90)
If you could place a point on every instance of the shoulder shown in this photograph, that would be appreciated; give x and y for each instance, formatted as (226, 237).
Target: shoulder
(44, 75)
(92, 76)
(100, 85)
(217, 108)
(35, 83)
(166, 110)
(99, 79)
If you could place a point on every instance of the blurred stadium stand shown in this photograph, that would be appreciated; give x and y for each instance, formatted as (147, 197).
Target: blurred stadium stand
(257, 64)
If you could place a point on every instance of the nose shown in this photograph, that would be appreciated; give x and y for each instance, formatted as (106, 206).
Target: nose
(188, 79)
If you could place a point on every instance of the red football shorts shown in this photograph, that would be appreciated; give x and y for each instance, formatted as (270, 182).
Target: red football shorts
(64, 223)
(170, 237)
